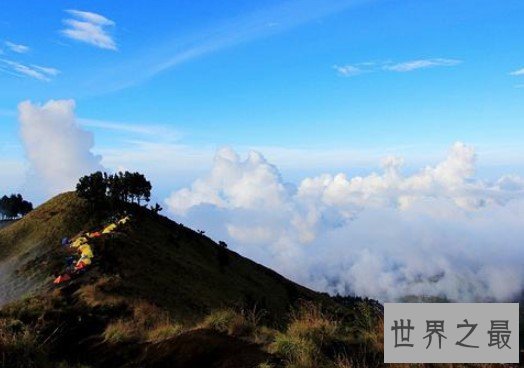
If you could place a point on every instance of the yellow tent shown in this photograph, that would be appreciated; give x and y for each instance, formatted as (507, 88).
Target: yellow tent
(85, 260)
(78, 242)
(86, 250)
(109, 228)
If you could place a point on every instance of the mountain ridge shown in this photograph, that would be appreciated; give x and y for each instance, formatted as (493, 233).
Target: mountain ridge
(156, 293)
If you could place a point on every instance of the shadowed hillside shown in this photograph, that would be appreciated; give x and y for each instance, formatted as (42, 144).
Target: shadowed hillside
(155, 258)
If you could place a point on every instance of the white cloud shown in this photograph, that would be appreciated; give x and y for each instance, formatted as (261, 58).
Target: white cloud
(518, 72)
(234, 183)
(348, 70)
(34, 71)
(439, 231)
(405, 66)
(408, 66)
(46, 70)
(90, 28)
(20, 49)
(58, 150)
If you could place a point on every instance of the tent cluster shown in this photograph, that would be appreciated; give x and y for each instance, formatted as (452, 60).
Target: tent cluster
(84, 250)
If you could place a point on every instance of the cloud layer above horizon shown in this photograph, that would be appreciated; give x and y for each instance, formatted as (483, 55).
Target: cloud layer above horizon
(58, 150)
(438, 232)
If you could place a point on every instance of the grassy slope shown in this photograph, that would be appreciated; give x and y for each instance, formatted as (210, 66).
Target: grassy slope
(189, 273)
(151, 261)
(43, 228)
(157, 259)
(26, 246)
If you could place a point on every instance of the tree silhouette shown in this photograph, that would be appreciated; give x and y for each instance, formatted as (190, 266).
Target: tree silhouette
(116, 189)
(156, 208)
(93, 188)
(14, 206)
(139, 187)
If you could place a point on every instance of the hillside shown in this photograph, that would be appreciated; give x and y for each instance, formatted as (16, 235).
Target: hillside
(156, 258)
(157, 291)
(28, 246)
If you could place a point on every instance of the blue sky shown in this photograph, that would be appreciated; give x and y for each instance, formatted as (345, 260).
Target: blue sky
(346, 82)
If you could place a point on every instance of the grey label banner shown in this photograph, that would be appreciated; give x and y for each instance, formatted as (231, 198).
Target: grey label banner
(451, 333)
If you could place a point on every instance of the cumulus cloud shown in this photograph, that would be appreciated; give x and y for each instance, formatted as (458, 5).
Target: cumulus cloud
(33, 71)
(90, 28)
(58, 150)
(439, 231)
(20, 49)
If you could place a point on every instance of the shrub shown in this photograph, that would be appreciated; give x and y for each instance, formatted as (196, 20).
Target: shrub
(310, 334)
(146, 322)
(219, 320)
(164, 331)
(230, 322)
(296, 351)
(120, 331)
(309, 322)
(370, 327)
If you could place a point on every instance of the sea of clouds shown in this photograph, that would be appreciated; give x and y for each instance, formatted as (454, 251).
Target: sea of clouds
(438, 232)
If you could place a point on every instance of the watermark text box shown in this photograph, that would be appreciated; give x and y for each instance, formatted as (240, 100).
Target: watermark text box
(451, 333)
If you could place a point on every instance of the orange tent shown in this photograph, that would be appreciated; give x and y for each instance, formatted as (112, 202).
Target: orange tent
(62, 278)
(80, 265)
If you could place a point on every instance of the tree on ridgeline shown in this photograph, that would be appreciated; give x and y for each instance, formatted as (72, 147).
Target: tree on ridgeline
(116, 190)
(93, 188)
(138, 186)
(14, 206)
(156, 208)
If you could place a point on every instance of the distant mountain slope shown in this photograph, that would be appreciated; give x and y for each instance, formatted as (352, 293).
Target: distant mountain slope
(28, 244)
(155, 258)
